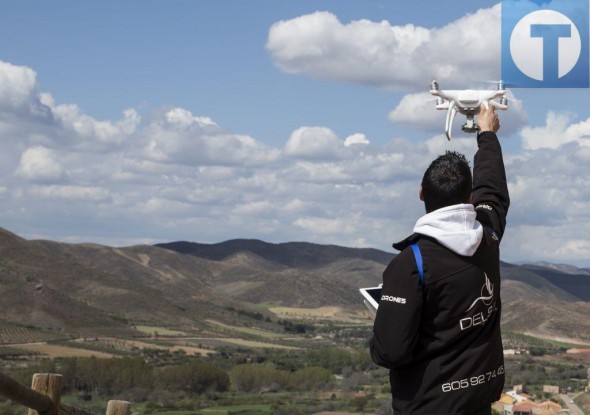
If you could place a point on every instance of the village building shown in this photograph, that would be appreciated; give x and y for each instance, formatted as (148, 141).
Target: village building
(515, 402)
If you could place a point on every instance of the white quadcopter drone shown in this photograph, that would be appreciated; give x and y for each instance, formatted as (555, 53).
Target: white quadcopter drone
(468, 103)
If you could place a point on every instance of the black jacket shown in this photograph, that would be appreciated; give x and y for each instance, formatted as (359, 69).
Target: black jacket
(442, 340)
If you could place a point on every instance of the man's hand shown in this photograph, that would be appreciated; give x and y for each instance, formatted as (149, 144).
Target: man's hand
(488, 120)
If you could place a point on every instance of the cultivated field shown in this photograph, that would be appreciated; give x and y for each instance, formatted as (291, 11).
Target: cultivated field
(134, 345)
(12, 335)
(329, 313)
(160, 331)
(244, 330)
(53, 351)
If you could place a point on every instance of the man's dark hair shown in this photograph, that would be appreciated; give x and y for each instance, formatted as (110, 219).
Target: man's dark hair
(447, 181)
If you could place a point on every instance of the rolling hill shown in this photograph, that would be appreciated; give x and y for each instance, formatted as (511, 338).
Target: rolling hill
(88, 289)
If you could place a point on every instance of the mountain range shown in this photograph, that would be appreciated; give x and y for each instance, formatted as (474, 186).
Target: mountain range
(89, 289)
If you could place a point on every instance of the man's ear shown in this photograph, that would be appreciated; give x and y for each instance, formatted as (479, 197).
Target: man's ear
(421, 194)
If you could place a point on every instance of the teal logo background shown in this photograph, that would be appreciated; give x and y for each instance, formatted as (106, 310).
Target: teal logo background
(545, 45)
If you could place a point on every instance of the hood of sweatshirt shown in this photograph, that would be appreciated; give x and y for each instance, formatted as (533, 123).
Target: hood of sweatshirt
(454, 227)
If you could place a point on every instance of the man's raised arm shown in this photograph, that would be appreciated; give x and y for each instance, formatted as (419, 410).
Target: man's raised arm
(490, 189)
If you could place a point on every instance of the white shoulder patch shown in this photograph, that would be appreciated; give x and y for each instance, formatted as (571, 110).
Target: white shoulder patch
(484, 206)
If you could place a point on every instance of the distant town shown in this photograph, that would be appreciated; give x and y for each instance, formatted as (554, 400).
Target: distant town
(552, 399)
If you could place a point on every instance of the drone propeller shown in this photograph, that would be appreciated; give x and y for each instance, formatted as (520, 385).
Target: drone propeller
(500, 83)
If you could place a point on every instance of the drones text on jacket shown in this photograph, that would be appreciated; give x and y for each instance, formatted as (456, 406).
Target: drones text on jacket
(468, 103)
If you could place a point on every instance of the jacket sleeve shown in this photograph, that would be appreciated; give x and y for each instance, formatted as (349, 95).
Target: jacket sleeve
(395, 331)
(490, 189)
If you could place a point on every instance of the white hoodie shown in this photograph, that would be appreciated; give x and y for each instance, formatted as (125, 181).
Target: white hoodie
(454, 227)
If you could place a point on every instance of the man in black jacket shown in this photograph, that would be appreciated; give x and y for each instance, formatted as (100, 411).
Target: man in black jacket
(439, 332)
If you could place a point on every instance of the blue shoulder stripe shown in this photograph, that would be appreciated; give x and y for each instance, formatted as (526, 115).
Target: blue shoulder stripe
(419, 264)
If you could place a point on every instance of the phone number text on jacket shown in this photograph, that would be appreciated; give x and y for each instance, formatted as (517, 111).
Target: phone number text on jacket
(472, 381)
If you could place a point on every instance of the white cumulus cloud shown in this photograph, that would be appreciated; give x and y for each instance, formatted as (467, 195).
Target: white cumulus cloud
(417, 111)
(319, 45)
(558, 130)
(179, 137)
(313, 143)
(90, 133)
(357, 138)
(39, 164)
(17, 86)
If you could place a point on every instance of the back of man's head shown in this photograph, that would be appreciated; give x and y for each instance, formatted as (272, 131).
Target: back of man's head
(447, 181)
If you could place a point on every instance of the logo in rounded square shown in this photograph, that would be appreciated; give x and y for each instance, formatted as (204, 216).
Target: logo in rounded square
(545, 46)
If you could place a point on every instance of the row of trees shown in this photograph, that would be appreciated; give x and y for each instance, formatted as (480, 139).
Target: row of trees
(264, 378)
(311, 370)
(111, 377)
(535, 373)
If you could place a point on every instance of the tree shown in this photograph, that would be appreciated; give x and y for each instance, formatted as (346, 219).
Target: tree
(330, 358)
(194, 377)
(112, 376)
(256, 378)
(311, 378)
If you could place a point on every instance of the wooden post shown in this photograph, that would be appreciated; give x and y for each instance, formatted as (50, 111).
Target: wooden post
(23, 395)
(119, 408)
(50, 385)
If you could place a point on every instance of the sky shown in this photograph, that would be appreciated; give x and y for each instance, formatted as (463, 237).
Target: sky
(135, 122)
